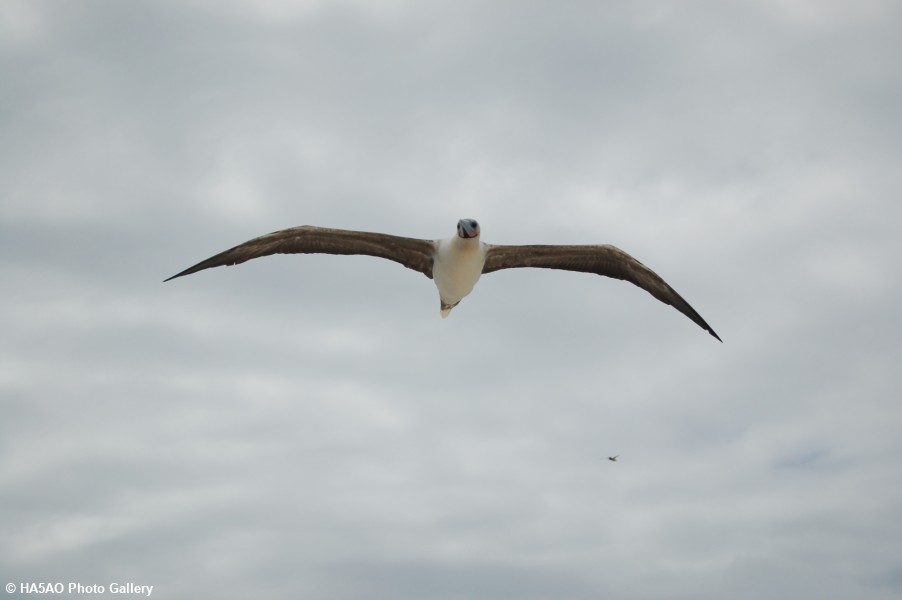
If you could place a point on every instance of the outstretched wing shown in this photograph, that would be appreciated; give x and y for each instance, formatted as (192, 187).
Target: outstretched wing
(605, 260)
(412, 253)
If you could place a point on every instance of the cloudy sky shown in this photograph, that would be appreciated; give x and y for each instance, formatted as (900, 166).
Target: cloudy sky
(308, 427)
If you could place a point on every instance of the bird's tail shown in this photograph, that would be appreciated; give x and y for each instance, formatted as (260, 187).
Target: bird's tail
(446, 308)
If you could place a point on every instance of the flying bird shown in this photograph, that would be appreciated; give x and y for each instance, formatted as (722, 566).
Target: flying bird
(455, 263)
(614, 458)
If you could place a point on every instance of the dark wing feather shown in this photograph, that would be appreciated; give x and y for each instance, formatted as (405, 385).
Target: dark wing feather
(412, 253)
(602, 260)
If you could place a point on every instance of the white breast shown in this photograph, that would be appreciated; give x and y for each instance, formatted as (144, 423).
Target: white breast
(458, 265)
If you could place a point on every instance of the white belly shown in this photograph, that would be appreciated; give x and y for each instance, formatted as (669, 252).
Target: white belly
(458, 265)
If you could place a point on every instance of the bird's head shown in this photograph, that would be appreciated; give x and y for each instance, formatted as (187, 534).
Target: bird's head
(467, 228)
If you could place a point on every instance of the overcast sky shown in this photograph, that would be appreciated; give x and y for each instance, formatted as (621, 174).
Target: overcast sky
(308, 427)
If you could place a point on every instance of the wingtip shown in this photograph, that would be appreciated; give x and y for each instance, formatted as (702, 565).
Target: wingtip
(716, 337)
(187, 271)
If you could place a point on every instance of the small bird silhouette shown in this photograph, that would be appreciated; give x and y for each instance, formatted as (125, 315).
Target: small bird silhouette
(613, 458)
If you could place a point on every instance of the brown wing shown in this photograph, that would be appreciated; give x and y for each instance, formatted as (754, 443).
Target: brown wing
(412, 253)
(602, 260)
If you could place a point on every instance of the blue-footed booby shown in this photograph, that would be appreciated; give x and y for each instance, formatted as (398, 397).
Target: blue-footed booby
(455, 263)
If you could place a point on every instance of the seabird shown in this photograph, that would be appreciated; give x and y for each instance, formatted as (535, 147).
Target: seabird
(614, 458)
(455, 263)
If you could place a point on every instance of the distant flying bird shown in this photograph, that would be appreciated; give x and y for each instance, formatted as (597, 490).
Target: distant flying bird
(613, 458)
(455, 263)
